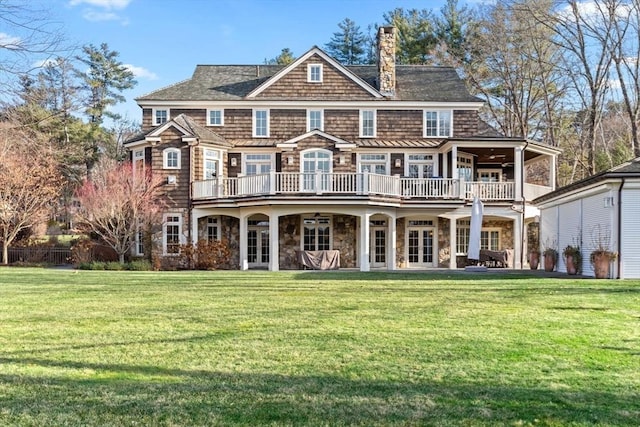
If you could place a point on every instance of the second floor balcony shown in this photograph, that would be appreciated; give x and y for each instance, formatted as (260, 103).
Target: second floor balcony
(355, 184)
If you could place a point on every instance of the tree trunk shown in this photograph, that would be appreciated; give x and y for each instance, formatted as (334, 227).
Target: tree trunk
(5, 252)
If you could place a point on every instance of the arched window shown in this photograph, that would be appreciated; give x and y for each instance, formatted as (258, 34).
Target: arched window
(171, 158)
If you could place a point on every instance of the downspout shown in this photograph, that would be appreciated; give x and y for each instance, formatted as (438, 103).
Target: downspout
(190, 201)
(619, 257)
(524, 205)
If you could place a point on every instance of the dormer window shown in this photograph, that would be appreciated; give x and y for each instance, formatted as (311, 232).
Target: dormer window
(160, 116)
(171, 158)
(314, 73)
(437, 123)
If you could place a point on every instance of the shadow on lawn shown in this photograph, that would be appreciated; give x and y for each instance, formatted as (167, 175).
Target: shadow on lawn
(148, 395)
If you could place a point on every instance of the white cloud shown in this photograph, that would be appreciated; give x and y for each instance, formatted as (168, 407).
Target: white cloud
(94, 16)
(10, 42)
(106, 4)
(141, 72)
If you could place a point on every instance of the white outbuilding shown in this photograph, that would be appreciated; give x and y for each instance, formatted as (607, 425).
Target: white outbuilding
(602, 211)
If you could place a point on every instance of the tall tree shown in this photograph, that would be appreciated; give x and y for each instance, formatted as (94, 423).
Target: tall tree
(29, 183)
(115, 204)
(286, 57)
(104, 81)
(349, 44)
(415, 32)
(455, 29)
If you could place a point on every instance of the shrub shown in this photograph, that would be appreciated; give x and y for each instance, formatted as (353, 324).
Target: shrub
(97, 265)
(206, 255)
(114, 266)
(140, 265)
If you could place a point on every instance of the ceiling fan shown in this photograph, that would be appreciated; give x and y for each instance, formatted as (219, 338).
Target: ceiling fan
(497, 156)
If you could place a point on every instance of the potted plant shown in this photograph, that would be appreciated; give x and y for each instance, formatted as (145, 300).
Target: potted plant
(601, 255)
(572, 259)
(550, 259)
(534, 259)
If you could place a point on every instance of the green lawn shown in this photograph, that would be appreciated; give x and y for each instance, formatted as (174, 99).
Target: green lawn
(295, 348)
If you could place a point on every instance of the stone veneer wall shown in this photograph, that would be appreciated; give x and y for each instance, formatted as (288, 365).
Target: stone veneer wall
(401, 262)
(387, 60)
(289, 241)
(345, 232)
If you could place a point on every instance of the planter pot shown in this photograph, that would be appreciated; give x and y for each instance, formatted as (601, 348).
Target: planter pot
(549, 263)
(534, 260)
(601, 263)
(572, 267)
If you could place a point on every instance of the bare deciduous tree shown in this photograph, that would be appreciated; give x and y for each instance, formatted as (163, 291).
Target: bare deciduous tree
(30, 184)
(115, 204)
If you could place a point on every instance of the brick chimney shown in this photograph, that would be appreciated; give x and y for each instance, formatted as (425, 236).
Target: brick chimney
(387, 61)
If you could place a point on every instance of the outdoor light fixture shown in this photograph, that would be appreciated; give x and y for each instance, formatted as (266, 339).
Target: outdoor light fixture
(398, 163)
(290, 160)
(234, 162)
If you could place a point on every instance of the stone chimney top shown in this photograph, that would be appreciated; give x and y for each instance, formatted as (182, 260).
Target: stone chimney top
(387, 61)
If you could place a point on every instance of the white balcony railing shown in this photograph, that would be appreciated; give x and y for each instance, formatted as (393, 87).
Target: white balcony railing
(364, 184)
(490, 190)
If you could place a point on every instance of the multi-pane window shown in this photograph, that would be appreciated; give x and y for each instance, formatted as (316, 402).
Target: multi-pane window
(490, 175)
(316, 236)
(314, 73)
(160, 116)
(212, 229)
(172, 231)
(260, 123)
(171, 158)
(373, 163)
(257, 164)
(210, 164)
(138, 164)
(463, 231)
(215, 117)
(437, 123)
(315, 120)
(420, 166)
(367, 123)
(139, 243)
(490, 239)
(465, 167)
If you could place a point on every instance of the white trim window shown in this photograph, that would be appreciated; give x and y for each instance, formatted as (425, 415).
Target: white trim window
(373, 163)
(367, 123)
(138, 164)
(260, 123)
(420, 166)
(463, 234)
(171, 233)
(316, 234)
(465, 166)
(437, 123)
(215, 117)
(490, 239)
(257, 164)
(171, 158)
(160, 116)
(211, 163)
(213, 229)
(139, 241)
(490, 175)
(314, 73)
(315, 120)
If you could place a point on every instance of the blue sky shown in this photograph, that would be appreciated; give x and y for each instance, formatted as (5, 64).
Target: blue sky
(163, 40)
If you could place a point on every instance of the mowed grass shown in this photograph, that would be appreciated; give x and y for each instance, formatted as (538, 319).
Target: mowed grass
(307, 348)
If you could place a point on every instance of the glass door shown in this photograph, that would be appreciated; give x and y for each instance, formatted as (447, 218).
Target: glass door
(314, 162)
(420, 247)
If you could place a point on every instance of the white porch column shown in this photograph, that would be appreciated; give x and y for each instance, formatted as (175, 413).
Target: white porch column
(519, 173)
(244, 243)
(552, 172)
(454, 162)
(453, 237)
(274, 242)
(194, 226)
(365, 244)
(392, 246)
(517, 242)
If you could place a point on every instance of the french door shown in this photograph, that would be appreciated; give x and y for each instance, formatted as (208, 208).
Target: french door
(258, 244)
(313, 162)
(378, 249)
(420, 247)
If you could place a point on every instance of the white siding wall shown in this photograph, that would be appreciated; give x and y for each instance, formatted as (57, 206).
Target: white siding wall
(548, 228)
(569, 229)
(596, 219)
(630, 238)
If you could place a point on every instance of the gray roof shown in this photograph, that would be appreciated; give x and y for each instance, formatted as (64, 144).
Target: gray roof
(630, 169)
(235, 82)
(188, 124)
